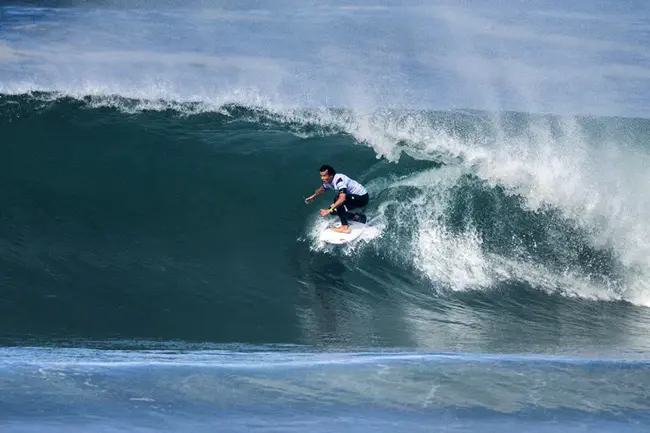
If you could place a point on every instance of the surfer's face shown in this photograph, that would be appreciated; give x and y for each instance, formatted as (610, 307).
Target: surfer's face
(326, 177)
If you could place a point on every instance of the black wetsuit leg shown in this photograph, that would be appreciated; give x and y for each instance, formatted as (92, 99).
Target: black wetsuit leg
(352, 201)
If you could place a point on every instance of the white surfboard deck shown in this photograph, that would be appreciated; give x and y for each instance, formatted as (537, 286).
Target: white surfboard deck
(332, 237)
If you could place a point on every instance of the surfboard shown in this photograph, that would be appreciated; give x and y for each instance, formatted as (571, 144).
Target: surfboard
(332, 237)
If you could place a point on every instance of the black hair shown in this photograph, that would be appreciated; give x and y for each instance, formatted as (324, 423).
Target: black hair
(328, 168)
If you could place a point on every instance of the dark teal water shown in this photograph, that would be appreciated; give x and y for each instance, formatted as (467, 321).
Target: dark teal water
(152, 241)
(160, 271)
(161, 225)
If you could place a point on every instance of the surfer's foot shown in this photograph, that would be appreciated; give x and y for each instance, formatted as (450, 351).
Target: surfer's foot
(360, 218)
(341, 229)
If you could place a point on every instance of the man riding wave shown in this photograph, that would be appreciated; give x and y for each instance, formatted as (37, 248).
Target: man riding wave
(350, 194)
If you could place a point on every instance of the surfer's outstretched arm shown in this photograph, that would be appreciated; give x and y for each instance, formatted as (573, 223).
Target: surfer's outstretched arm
(318, 192)
(334, 208)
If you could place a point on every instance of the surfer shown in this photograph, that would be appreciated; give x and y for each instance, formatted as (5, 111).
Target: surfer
(350, 194)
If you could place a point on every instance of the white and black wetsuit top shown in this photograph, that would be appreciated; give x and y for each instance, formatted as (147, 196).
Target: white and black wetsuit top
(342, 183)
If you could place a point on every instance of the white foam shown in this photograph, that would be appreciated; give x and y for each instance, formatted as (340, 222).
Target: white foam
(599, 186)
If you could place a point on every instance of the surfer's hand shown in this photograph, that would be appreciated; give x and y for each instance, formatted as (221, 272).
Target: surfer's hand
(324, 212)
(308, 199)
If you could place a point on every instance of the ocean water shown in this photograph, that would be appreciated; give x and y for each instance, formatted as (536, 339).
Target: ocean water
(160, 271)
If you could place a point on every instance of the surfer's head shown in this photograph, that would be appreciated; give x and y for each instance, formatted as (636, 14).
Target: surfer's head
(327, 173)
